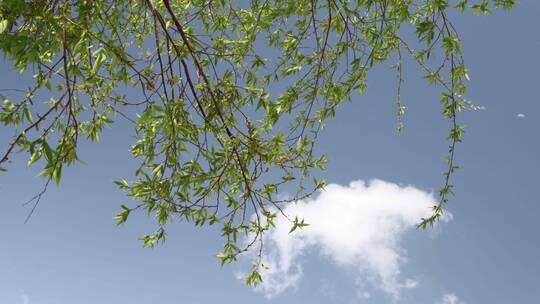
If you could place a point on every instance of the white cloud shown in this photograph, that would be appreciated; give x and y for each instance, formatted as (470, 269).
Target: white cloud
(363, 295)
(450, 298)
(521, 115)
(25, 299)
(359, 227)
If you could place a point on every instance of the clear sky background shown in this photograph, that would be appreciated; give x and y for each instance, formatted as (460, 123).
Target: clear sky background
(72, 252)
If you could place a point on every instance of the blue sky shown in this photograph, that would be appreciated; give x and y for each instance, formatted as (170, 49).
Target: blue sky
(72, 252)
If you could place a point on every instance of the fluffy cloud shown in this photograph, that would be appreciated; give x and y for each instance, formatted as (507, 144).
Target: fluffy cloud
(25, 299)
(358, 227)
(450, 298)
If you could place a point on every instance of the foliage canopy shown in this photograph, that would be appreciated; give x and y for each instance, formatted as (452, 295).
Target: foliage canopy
(233, 94)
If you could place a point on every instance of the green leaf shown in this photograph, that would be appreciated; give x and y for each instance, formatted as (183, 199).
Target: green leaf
(28, 115)
(99, 60)
(297, 224)
(48, 151)
(57, 173)
(3, 25)
(122, 216)
(123, 184)
(35, 157)
(254, 278)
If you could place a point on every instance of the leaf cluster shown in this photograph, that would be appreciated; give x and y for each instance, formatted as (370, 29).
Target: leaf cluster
(233, 95)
